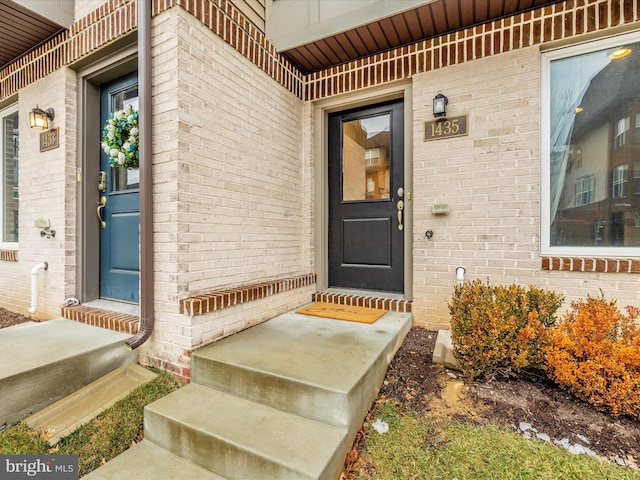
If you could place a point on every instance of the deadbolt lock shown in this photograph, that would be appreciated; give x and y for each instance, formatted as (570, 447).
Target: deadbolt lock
(102, 181)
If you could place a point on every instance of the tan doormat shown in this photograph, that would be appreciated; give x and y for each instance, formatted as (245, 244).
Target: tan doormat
(343, 312)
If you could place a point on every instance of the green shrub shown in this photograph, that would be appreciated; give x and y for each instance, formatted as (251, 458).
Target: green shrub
(594, 352)
(498, 328)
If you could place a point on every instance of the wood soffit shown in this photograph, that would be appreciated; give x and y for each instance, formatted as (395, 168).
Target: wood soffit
(426, 21)
(21, 30)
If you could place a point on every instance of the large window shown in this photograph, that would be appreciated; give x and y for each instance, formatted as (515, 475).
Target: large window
(590, 149)
(9, 185)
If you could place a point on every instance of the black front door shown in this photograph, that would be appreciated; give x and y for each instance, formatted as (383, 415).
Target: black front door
(366, 198)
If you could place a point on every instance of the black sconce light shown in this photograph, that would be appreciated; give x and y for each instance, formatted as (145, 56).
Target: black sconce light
(440, 105)
(39, 118)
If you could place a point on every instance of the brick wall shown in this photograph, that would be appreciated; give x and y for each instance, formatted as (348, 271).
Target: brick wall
(560, 21)
(46, 190)
(228, 118)
(490, 178)
(229, 196)
(239, 184)
(491, 181)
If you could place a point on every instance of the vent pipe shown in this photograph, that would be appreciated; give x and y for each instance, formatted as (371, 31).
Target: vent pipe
(34, 285)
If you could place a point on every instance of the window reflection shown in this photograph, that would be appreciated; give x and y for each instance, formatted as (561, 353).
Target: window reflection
(595, 149)
(125, 178)
(365, 158)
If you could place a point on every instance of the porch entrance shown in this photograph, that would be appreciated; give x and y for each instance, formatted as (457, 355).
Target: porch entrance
(366, 198)
(119, 206)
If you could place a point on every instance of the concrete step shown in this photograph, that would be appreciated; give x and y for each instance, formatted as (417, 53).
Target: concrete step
(326, 370)
(69, 413)
(240, 439)
(281, 400)
(147, 461)
(45, 361)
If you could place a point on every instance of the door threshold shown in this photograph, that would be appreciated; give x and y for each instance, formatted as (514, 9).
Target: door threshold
(114, 306)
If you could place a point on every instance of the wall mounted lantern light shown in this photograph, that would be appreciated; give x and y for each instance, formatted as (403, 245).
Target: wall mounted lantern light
(39, 118)
(440, 105)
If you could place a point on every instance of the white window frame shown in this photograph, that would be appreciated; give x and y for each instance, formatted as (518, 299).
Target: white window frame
(620, 177)
(545, 148)
(372, 156)
(580, 182)
(622, 129)
(4, 113)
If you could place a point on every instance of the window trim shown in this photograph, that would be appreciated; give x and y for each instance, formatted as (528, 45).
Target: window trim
(545, 162)
(13, 108)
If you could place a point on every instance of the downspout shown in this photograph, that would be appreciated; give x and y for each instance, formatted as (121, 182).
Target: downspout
(34, 285)
(146, 178)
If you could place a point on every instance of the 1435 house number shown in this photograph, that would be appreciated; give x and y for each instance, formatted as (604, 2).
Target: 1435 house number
(446, 128)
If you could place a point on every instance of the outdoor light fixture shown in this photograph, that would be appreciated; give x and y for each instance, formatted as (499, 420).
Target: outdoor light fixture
(39, 118)
(440, 105)
(620, 52)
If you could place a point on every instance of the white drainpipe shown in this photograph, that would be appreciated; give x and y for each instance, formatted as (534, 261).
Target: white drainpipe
(34, 285)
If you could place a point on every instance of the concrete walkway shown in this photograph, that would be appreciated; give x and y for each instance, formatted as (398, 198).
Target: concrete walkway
(45, 361)
(281, 400)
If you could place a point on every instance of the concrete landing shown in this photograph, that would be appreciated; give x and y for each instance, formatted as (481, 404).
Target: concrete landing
(69, 413)
(314, 367)
(45, 361)
(281, 400)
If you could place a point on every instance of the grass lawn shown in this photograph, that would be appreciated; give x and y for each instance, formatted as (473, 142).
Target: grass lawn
(109, 434)
(415, 447)
(433, 447)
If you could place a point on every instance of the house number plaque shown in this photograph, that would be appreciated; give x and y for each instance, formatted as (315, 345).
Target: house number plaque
(446, 128)
(49, 139)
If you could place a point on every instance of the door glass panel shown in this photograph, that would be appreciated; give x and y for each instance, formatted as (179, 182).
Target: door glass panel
(365, 158)
(125, 178)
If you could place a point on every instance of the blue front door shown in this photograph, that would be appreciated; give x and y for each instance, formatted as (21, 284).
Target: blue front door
(119, 206)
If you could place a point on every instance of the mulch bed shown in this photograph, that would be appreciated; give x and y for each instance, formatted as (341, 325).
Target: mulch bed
(8, 318)
(415, 382)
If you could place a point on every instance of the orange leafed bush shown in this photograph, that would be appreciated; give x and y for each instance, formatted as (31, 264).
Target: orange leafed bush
(497, 328)
(594, 352)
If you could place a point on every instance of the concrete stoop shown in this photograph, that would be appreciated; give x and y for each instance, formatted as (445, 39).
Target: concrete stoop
(43, 362)
(237, 438)
(281, 400)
